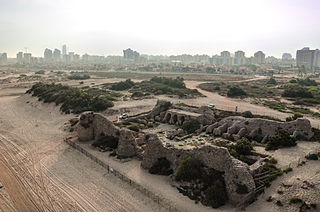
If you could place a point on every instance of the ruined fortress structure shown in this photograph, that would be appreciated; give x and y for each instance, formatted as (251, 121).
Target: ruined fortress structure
(237, 174)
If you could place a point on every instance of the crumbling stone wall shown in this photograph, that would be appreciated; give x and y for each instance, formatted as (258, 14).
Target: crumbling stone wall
(93, 125)
(236, 172)
(238, 126)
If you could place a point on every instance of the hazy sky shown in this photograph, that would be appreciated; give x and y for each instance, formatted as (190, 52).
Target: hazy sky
(159, 27)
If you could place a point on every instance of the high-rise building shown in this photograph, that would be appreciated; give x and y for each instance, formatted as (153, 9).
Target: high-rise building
(259, 57)
(64, 49)
(20, 57)
(27, 58)
(129, 54)
(3, 58)
(309, 59)
(48, 55)
(226, 58)
(57, 55)
(239, 58)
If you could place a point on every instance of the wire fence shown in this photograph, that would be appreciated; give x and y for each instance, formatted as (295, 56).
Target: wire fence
(156, 198)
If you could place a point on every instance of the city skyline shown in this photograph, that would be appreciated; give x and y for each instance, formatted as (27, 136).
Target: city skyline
(166, 28)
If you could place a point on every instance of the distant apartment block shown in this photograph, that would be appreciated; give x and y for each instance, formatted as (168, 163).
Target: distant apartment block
(64, 49)
(226, 58)
(239, 58)
(309, 59)
(3, 58)
(57, 55)
(20, 58)
(259, 57)
(27, 58)
(48, 56)
(129, 54)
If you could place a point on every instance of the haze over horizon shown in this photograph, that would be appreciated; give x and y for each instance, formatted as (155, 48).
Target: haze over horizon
(159, 27)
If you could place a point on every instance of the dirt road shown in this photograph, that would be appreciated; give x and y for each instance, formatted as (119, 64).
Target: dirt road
(40, 172)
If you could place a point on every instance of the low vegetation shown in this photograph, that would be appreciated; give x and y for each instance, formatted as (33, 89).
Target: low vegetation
(207, 185)
(191, 125)
(40, 72)
(72, 99)
(236, 91)
(106, 141)
(281, 139)
(78, 76)
(156, 86)
(123, 85)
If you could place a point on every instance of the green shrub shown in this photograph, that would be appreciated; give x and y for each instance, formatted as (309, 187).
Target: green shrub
(243, 147)
(312, 156)
(247, 114)
(289, 169)
(296, 91)
(75, 100)
(236, 91)
(40, 72)
(273, 160)
(216, 195)
(137, 94)
(307, 82)
(293, 81)
(134, 127)
(279, 203)
(189, 169)
(272, 81)
(161, 167)
(295, 200)
(123, 85)
(281, 139)
(191, 125)
(106, 141)
(79, 77)
(175, 83)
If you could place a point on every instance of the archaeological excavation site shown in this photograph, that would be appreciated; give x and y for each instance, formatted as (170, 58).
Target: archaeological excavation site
(207, 155)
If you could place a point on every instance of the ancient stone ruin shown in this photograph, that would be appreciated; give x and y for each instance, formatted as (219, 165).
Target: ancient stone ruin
(236, 127)
(237, 173)
(154, 150)
(91, 126)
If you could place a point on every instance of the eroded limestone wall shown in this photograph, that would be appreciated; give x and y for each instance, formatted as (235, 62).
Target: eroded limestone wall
(236, 172)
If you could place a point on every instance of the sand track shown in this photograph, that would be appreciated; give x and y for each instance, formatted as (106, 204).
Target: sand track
(42, 173)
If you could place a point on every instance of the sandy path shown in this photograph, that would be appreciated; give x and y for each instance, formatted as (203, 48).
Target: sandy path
(52, 176)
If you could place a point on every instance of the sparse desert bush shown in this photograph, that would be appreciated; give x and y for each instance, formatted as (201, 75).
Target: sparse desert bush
(295, 200)
(106, 141)
(273, 160)
(75, 100)
(79, 77)
(236, 91)
(247, 114)
(307, 82)
(281, 139)
(123, 85)
(191, 125)
(243, 147)
(134, 127)
(137, 94)
(272, 81)
(294, 117)
(40, 72)
(287, 170)
(297, 91)
(216, 195)
(189, 169)
(161, 167)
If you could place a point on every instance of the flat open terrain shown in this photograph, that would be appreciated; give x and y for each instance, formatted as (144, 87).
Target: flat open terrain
(40, 172)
